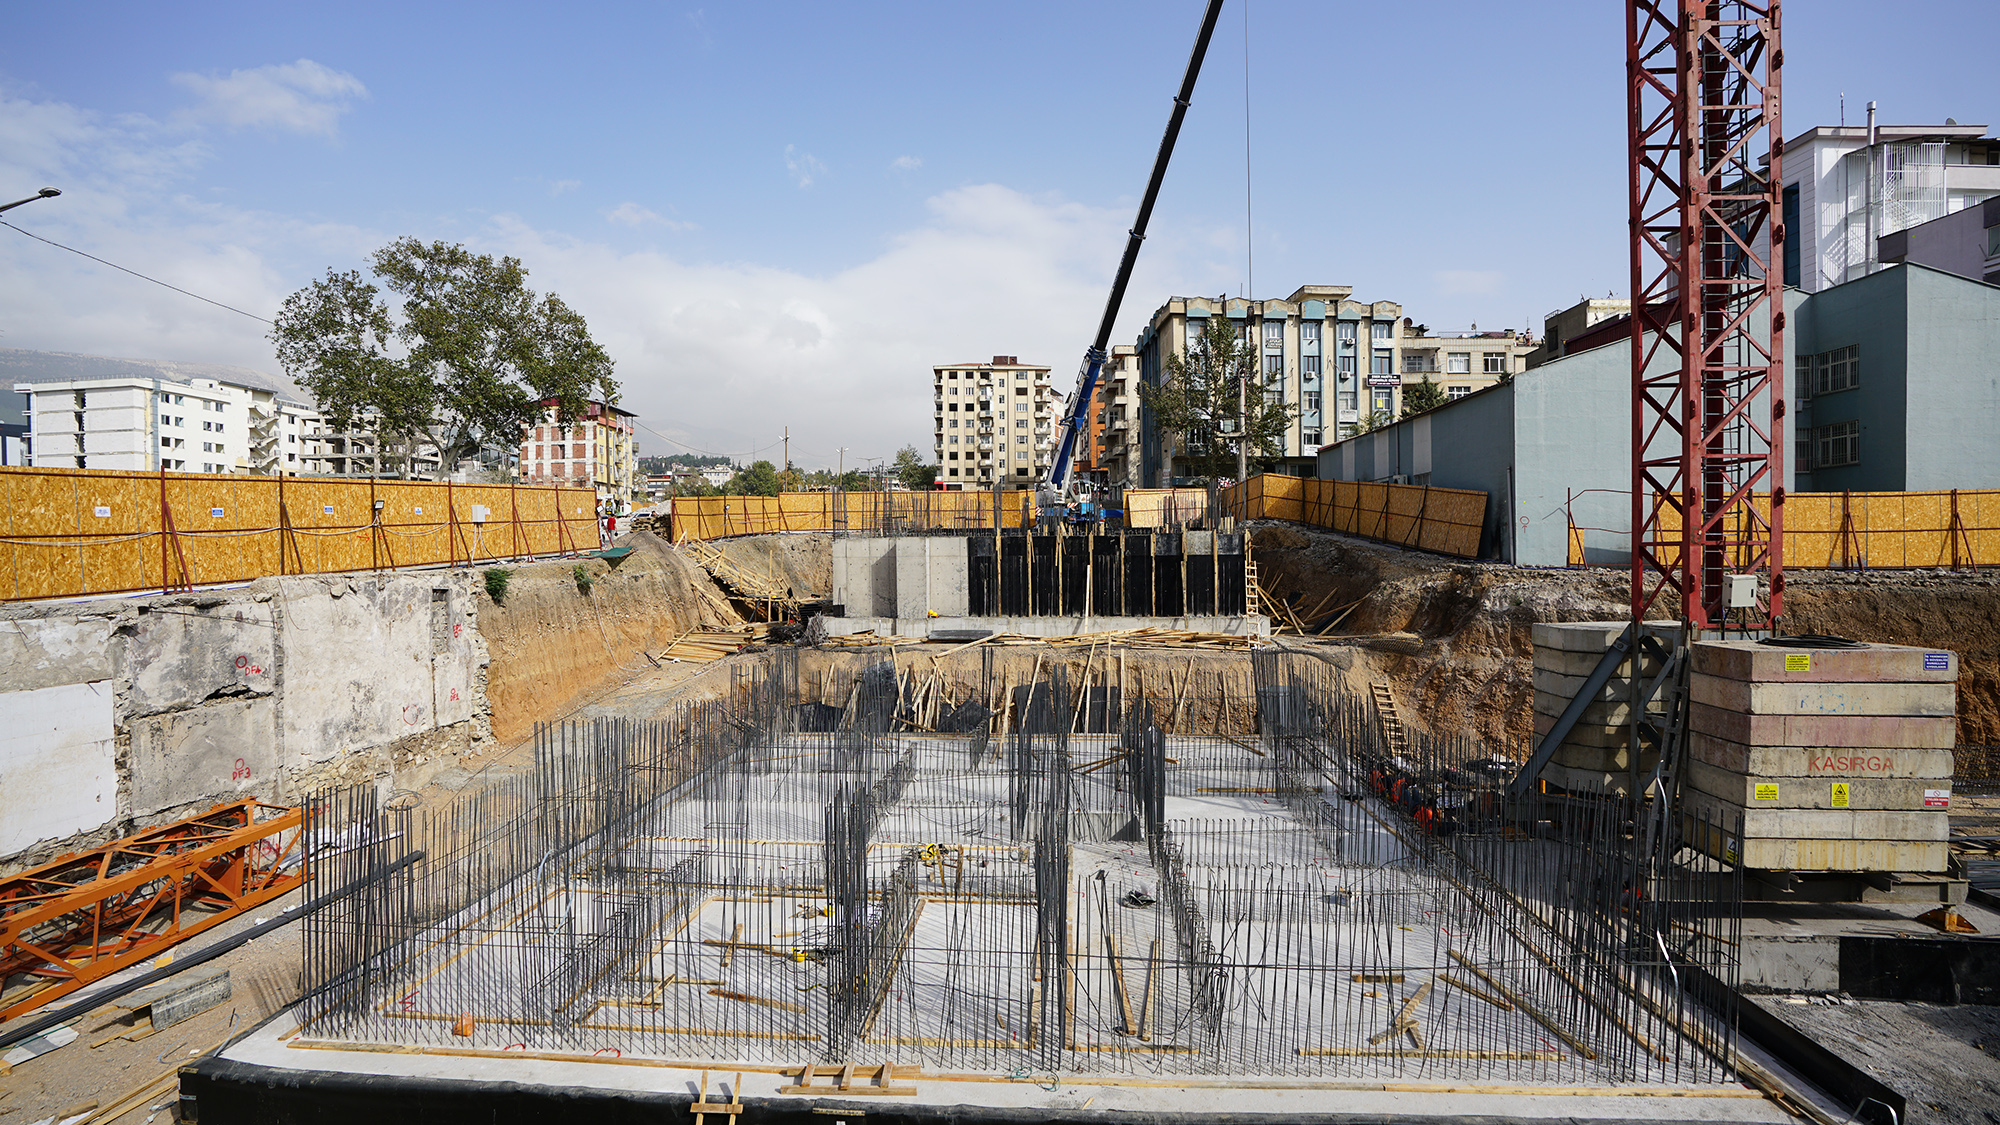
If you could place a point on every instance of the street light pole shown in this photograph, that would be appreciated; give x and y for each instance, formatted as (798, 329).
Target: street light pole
(45, 193)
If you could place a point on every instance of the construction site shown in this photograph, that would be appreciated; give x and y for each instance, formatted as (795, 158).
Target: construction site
(1280, 800)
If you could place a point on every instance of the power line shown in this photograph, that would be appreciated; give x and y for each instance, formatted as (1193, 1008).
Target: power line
(134, 273)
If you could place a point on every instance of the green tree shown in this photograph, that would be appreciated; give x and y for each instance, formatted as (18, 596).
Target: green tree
(1419, 397)
(1197, 399)
(466, 359)
(1375, 420)
(760, 479)
(854, 480)
(910, 470)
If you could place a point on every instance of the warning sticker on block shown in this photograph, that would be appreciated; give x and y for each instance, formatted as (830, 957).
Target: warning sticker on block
(1839, 795)
(1937, 662)
(1798, 662)
(1937, 798)
(1767, 790)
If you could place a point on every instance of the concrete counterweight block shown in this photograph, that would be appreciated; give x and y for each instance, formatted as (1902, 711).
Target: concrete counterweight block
(1836, 759)
(1596, 755)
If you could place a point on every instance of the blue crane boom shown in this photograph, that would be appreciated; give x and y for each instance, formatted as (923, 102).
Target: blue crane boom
(1057, 484)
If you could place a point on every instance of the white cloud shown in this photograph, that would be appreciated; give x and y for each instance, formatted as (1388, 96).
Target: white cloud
(1468, 282)
(300, 97)
(803, 167)
(564, 187)
(632, 214)
(721, 355)
(906, 163)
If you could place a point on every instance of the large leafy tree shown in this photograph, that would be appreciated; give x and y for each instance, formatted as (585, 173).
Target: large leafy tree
(465, 359)
(760, 479)
(1197, 402)
(910, 470)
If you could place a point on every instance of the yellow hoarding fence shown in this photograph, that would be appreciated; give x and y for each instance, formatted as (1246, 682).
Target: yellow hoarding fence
(1445, 520)
(1957, 528)
(69, 532)
(717, 517)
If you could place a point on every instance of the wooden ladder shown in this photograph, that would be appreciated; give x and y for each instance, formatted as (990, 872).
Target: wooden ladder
(1393, 735)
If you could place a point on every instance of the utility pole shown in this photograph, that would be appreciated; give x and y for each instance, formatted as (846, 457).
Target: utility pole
(842, 471)
(1242, 428)
(788, 449)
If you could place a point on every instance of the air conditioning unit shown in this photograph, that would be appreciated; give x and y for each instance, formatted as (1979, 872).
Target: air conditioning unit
(1399, 478)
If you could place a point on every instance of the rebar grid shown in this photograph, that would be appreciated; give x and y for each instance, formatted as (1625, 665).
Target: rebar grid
(794, 876)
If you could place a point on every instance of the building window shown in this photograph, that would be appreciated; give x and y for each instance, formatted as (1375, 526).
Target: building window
(1457, 392)
(1346, 367)
(1347, 430)
(1385, 400)
(1839, 444)
(1274, 334)
(1308, 331)
(1837, 370)
(1382, 330)
(1310, 437)
(1274, 366)
(1349, 400)
(1493, 363)
(1309, 366)
(1458, 363)
(1312, 401)
(1382, 363)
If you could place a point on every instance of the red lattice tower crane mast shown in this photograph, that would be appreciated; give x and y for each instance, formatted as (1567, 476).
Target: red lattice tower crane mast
(1708, 319)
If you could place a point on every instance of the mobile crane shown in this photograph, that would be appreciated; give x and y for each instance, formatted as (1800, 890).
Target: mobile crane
(1058, 495)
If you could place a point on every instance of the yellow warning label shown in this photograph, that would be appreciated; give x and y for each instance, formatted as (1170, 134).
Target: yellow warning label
(1840, 794)
(1798, 662)
(1767, 790)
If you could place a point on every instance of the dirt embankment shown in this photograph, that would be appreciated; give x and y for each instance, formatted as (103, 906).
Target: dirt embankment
(1454, 638)
(552, 643)
(799, 560)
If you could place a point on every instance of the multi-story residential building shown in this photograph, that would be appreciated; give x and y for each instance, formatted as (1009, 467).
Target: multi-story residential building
(197, 426)
(995, 423)
(1110, 452)
(1844, 188)
(1331, 359)
(599, 451)
(1460, 363)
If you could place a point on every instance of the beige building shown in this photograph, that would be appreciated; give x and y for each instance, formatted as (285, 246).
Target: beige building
(1564, 325)
(1458, 363)
(599, 452)
(995, 423)
(1111, 453)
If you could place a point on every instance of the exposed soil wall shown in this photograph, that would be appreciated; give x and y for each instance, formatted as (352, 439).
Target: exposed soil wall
(552, 643)
(1453, 638)
(801, 560)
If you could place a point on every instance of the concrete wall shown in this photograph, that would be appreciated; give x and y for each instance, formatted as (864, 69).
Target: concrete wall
(1953, 368)
(909, 576)
(121, 713)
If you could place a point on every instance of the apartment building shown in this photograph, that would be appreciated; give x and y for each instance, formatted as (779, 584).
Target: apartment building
(600, 451)
(1109, 452)
(1459, 363)
(1332, 359)
(1844, 188)
(197, 426)
(994, 422)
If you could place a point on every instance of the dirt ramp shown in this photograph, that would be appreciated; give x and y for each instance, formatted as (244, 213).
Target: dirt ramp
(553, 643)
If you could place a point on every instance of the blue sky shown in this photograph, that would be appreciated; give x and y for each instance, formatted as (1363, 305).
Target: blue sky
(784, 214)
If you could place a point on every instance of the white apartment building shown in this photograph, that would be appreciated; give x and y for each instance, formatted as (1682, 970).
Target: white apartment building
(995, 423)
(1844, 188)
(197, 426)
(600, 451)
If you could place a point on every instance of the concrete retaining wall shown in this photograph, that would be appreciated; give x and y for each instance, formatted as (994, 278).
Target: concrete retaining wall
(122, 713)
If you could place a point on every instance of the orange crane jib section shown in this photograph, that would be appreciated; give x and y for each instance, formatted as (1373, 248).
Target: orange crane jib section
(84, 917)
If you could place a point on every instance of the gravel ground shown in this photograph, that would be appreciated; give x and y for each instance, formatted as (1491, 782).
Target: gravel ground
(1946, 1061)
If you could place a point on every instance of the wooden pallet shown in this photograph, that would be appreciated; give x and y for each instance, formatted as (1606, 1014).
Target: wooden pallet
(844, 1081)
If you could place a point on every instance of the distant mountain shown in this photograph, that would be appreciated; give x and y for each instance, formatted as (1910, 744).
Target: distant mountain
(19, 366)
